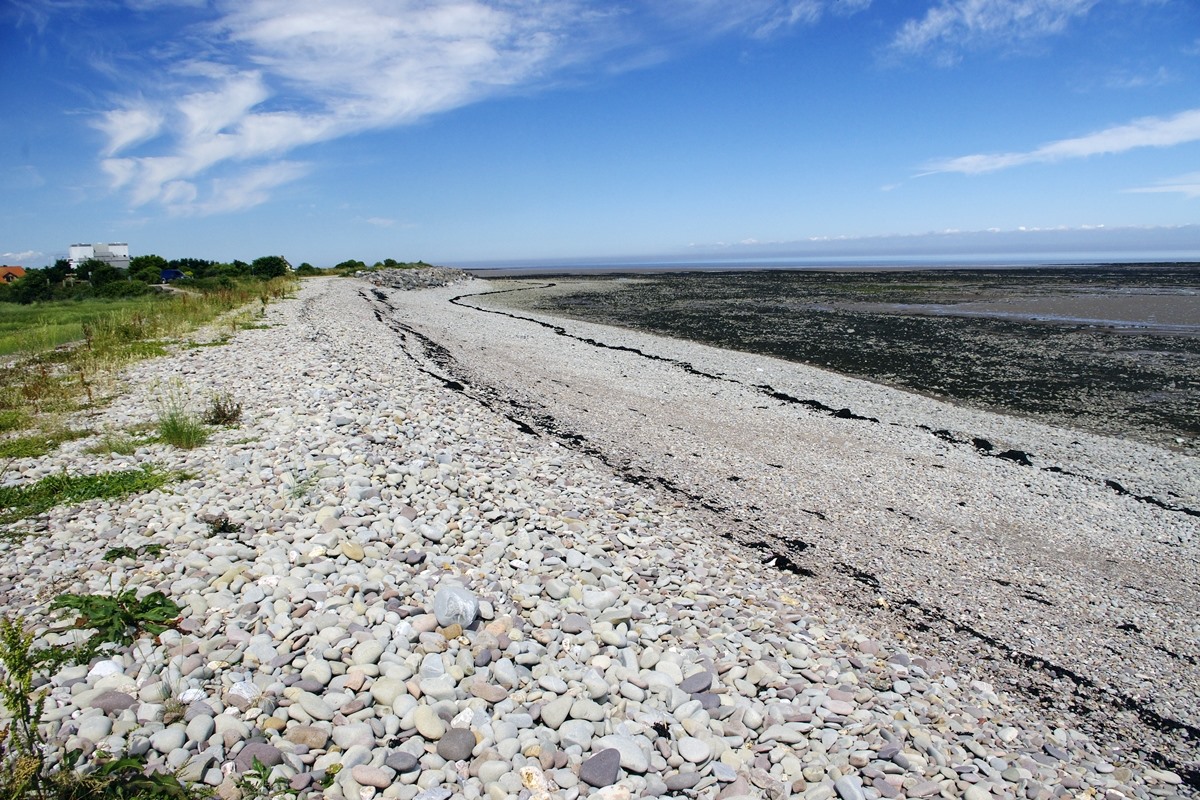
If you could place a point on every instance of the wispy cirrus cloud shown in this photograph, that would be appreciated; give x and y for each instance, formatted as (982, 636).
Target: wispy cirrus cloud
(1187, 185)
(271, 76)
(953, 26)
(1179, 129)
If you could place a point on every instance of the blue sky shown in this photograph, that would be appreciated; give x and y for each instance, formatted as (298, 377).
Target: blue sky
(462, 131)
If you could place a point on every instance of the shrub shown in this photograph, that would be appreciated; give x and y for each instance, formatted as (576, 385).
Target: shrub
(223, 409)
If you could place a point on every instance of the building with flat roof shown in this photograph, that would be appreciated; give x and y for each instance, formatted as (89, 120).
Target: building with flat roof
(114, 253)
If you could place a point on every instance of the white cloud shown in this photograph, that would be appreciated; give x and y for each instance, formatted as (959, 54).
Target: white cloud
(269, 76)
(128, 126)
(953, 25)
(381, 222)
(1187, 185)
(24, 255)
(1145, 132)
(243, 190)
(1139, 80)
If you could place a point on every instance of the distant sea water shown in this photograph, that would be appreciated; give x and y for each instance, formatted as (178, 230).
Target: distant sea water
(1109, 348)
(980, 260)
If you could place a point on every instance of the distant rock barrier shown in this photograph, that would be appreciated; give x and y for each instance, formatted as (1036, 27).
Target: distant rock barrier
(422, 278)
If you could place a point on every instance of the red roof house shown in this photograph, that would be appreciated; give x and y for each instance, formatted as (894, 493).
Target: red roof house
(10, 274)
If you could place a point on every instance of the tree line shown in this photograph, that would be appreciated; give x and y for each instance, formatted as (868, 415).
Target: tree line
(96, 278)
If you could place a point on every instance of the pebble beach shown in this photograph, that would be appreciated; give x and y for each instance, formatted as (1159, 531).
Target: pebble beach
(418, 568)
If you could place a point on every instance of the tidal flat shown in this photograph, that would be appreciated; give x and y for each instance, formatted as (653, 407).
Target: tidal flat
(1110, 349)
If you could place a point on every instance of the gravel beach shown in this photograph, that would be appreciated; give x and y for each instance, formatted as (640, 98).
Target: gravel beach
(453, 552)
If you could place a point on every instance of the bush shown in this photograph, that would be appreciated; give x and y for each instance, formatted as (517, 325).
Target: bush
(223, 409)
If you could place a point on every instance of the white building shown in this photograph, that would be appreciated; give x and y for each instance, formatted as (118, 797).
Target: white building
(114, 253)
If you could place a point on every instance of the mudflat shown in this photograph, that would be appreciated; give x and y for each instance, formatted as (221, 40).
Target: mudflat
(1111, 349)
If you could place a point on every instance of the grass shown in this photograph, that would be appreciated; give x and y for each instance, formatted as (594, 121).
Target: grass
(38, 444)
(20, 502)
(61, 355)
(177, 425)
(119, 443)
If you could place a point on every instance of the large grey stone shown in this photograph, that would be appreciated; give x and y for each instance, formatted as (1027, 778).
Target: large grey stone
(602, 769)
(456, 744)
(454, 605)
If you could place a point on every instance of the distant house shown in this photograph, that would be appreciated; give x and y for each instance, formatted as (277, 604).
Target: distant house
(113, 253)
(10, 274)
(168, 275)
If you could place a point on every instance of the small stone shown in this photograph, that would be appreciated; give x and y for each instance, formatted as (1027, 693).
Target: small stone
(242, 695)
(360, 733)
(94, 729)
(367, 652)
(401, 761)
(602, 769)
(111, 701)
(633, 756)
(848, 788)
(316, 707)
(488, 691)
(693, 750)
(378, 777)
(386, 689)
(555, 712)
(169, 739)
(429, 724)
(199, 728)
(456, 744)
(353, 551)
(310, 736)
(681, 781)
(697, 682)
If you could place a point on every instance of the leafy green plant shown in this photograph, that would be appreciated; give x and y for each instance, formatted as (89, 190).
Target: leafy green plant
(19, 502)
(23, 743)
(303, 486)
(222, 524)
(257, 783)
(330, 773)
(120, 618)
(116, 553)
(223, 409)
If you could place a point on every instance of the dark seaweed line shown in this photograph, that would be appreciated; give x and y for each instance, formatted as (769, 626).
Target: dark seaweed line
(783, 562)
(981, 446)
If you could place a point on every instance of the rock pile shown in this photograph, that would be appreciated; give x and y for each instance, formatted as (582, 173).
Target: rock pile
(421, 278)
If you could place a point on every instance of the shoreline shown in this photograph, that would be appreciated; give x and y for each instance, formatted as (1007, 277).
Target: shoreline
(365, 480)
(1057, 456)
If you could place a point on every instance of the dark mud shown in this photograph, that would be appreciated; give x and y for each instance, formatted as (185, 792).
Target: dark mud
(1114, 378)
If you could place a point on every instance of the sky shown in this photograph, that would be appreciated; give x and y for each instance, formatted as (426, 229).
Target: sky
(467, 131)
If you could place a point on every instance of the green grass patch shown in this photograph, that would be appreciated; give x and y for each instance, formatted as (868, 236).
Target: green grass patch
(180, 429)
(13, 419)
(119, 443)
(19, 502)
(38, 444)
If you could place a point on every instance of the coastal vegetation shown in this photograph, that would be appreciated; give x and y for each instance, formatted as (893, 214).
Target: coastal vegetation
(62, 338)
